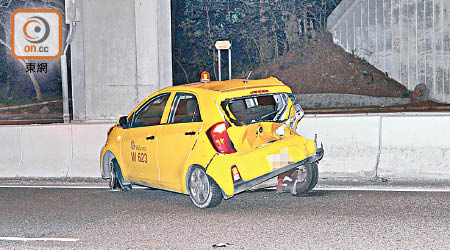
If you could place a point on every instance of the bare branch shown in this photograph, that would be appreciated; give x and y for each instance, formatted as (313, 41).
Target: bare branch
(182, 68)
(5, 3)
(5, 29)
(24, 62)
(5, 44)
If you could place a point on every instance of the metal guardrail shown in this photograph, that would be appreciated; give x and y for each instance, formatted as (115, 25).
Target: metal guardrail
(26, 119)
(375, 109)
(28, 105)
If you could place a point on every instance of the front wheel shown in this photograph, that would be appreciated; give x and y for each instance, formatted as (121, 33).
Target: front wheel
(307, 178)
(113, 182)
(203, 190)
(116, 181)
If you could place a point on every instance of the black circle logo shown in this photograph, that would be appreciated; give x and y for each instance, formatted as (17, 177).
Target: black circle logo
(36, 29)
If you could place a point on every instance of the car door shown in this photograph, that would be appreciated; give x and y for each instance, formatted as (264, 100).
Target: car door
(177, 138)
(139, 143)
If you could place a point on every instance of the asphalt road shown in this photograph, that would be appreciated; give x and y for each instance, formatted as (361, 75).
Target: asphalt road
(145, 218)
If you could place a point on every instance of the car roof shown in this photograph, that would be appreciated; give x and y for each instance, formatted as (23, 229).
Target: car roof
(225, 89)
(229, 85)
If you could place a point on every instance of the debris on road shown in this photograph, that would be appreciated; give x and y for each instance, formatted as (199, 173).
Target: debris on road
(221, 245)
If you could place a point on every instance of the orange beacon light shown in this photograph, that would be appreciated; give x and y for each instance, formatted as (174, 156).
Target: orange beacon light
(205, 77)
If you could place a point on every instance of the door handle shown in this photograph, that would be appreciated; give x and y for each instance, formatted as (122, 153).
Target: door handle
(190, 133)
(150, 137)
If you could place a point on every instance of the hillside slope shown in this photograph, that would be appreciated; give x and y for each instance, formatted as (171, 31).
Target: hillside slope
(320, 66)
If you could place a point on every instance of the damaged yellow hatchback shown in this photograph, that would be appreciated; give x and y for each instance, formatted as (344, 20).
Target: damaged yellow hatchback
(212, 141)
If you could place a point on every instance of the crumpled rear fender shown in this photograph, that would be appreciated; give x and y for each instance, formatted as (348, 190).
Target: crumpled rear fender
(257, 164)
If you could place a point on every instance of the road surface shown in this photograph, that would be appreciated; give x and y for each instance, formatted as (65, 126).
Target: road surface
(327, 218)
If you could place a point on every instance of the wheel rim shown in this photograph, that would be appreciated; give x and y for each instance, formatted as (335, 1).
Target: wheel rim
(199, 186)
(302, 174)
(113, 176)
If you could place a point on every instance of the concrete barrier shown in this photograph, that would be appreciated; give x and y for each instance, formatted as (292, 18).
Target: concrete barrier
(415, 146)
(400, 145)
(46, 151)
(10, 150)
(56, 150)
(350, 143)
(87, 142)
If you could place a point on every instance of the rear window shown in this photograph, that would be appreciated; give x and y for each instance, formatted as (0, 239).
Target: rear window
(252, 109)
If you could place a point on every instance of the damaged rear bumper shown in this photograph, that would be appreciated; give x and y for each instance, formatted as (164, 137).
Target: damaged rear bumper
(245, 185)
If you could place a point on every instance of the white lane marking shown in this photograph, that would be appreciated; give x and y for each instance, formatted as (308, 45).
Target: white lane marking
(408, 189)
(37, 239)
(445, 190)
(56, 187)
(64, 187)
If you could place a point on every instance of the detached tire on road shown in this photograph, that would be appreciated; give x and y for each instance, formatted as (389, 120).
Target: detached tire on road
(203, 190)
(307, 178)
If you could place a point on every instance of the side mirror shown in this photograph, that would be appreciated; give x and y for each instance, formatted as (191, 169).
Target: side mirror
(123, 122)
(299, 111)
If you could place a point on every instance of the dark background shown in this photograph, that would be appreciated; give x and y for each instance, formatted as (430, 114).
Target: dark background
(283, 38)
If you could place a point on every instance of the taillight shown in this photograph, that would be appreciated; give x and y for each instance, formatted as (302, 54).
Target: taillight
(220, 139)
(235, 173)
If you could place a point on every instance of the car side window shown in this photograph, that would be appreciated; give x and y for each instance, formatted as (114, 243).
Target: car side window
(151, 113)
(185, 109)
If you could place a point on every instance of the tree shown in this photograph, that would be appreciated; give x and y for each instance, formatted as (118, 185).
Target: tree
(5, 12)
(260, 31)
(6, 9)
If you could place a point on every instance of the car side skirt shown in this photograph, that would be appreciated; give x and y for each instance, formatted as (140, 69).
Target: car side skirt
(146, 185)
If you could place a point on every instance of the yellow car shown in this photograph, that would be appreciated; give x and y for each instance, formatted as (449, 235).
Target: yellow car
(212, 141)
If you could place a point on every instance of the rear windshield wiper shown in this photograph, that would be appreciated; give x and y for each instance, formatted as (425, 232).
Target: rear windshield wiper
(266, 115)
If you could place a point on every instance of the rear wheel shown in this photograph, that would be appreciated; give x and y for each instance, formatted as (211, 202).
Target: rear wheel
(307, 178)
(203, 190)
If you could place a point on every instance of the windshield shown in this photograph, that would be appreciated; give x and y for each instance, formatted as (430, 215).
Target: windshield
(252, 109)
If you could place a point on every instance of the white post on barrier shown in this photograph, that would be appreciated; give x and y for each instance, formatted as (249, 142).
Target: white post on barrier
(224, 45)
(220, 67)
